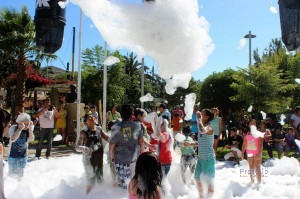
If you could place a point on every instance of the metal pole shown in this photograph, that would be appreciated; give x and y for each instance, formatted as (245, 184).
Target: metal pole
(104, 88)
(142, 81)
(249, 48)
(79, 81)
(73, 51)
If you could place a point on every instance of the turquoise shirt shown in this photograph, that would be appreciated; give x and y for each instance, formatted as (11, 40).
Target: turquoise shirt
(215, 123)
(195, 125)
(187, 150)
(205, 145)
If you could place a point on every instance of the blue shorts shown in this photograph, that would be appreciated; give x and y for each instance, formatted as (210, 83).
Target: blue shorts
(205, 168)
(16, 166)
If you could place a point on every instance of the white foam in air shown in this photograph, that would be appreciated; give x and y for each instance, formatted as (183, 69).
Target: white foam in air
(250, 109)
(297, 142)
(190, 101)
(179, 137)
(169, 31)
(273, 9)
(146, 98)
(263, 114)
(255, 132)
(111, 60)
(282, 118)
(63, 4)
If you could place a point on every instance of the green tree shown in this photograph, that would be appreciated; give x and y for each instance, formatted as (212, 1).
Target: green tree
(216, 91)
(132, 79)
(16, 38)
(262, 87)
(92, 77)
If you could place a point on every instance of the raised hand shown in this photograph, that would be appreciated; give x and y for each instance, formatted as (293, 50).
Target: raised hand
(85, 149)
(21, 126)
(30, 126)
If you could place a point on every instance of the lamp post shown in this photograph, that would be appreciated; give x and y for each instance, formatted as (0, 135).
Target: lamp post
(249, 36)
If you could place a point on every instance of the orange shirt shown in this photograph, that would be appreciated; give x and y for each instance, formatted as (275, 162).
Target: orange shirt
(176, 123)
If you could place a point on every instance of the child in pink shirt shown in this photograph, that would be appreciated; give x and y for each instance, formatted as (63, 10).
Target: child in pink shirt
(253, 147)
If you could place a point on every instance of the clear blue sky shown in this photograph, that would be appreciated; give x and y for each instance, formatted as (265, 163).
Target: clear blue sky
(229, 21)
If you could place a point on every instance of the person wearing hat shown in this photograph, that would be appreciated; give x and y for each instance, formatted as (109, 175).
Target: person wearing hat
(91, 146)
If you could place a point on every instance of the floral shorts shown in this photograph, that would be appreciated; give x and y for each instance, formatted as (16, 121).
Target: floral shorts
(123, 174)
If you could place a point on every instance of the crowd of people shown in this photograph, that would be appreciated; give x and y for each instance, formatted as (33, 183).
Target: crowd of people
(141, 151)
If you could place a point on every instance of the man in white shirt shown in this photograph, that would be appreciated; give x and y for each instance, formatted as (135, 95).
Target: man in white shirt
(46, 114)
(295, 121)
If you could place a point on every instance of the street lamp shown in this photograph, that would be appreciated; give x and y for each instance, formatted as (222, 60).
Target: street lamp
(249, 36)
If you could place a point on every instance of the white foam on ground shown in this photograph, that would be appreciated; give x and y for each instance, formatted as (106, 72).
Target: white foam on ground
(58, 137)
(169, 31)
(62, 178)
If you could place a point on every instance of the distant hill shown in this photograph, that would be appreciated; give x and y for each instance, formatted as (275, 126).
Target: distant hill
(52, 71)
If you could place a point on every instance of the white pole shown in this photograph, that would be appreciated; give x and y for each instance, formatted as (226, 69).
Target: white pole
(104, 88)
(142, 81)
(79, 81)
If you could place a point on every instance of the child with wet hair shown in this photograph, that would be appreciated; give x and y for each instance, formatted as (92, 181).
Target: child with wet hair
(188, 155)
(205, 166)
(146, 182)
(20, 135)
(253, 147)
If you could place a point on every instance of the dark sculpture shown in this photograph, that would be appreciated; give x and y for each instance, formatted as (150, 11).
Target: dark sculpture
(290, 23)
(49, 22)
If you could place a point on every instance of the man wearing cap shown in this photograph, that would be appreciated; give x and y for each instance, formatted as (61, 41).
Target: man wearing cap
(91, 146)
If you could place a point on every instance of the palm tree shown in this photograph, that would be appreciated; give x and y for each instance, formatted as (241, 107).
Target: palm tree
(132, 71)
(16, 39)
